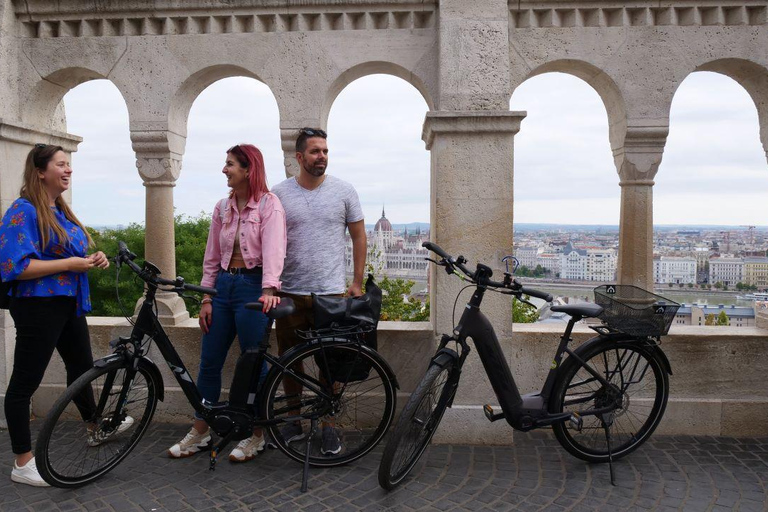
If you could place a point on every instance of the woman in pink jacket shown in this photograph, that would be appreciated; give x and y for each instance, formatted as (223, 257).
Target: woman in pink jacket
(243, 261)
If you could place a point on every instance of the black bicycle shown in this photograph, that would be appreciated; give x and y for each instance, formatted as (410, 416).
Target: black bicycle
(603, 400)
(127, 385)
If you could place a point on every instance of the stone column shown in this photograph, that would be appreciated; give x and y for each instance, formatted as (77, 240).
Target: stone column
(637, 162)
(471, 169)
(16, 139)
(158, 159)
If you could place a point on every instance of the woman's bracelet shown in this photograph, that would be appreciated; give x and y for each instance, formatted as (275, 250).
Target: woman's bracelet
(206, 300)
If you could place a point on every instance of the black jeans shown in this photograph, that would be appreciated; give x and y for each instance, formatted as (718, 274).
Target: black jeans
(42, 325)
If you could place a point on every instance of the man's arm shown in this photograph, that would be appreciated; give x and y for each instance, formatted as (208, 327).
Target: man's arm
(357, 233)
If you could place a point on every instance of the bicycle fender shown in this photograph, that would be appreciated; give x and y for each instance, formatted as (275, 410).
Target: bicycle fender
(625, 338)
(444, 356)
(105, 361)
(145, 363)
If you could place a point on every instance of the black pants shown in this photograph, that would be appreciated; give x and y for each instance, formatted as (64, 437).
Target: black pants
(42, 325)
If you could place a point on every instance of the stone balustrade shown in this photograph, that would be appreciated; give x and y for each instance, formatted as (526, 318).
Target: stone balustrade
(717, 386)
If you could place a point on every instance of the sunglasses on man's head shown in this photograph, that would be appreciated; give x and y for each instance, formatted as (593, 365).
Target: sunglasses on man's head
(313, 132)
(40, 145)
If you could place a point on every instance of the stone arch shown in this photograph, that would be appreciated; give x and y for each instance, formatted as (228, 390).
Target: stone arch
(190, 89)
(372, 68)
(46, 95)
(605, 87)
(753, 78)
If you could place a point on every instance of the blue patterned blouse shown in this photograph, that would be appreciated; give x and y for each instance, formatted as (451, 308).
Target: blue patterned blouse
(20, 242)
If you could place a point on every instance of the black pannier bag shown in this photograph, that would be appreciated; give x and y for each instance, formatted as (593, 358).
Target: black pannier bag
(348, 318)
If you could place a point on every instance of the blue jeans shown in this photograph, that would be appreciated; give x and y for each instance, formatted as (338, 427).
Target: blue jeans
(230, 317)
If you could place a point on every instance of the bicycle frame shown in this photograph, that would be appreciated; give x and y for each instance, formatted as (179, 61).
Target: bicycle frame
(521, 412)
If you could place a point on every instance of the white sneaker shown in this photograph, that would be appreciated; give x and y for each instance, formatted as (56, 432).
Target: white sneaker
(192, 443)
(98, 436)
(27, 474)
(247, 449)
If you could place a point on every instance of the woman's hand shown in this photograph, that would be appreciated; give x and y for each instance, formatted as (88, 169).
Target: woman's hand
(99, 259)
(206, 316)
(79, 265)
(269, 299)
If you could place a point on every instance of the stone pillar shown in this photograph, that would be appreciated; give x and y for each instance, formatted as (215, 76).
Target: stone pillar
(637, 162)
(158, 159)
(16, 139)
(472, 154)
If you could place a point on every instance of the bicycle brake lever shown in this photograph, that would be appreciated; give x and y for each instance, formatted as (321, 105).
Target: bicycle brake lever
(526, 302)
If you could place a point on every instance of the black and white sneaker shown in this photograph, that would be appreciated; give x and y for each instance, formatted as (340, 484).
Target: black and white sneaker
(331, 443)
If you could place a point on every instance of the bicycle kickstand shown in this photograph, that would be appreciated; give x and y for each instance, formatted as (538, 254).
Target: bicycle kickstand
(607, 428)
(215, 449)
(305, 473)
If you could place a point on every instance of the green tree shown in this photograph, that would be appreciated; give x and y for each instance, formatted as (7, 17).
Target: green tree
(709, 319)
(522, 313)
(191, 236)
(718, 285)
(690, 285)
(722, 319)
(396, 303)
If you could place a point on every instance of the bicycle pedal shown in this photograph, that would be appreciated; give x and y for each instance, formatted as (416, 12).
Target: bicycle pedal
(576, 422)
(488, 410)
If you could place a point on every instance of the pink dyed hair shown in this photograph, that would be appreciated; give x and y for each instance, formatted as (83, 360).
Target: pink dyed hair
(249, 157)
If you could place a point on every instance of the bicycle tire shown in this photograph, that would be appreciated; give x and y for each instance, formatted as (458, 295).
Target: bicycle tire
(64, 454)
(643, 403)
(360, 412)
(417, 424)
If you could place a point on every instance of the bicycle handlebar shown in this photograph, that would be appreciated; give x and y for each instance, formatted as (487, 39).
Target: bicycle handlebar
(150, 274)
(513, 285)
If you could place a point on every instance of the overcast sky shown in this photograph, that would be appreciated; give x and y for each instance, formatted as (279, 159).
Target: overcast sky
(714, 169)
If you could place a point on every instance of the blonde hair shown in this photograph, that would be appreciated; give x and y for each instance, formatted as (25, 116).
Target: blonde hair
(33, 191)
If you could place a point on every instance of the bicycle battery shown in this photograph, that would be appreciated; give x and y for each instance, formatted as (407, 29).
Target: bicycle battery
(245, 382)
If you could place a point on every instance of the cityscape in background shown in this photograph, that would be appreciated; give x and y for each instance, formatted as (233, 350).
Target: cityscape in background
(712, 271)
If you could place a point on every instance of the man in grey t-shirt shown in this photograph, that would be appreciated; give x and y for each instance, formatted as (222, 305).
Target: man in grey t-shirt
(318, 211)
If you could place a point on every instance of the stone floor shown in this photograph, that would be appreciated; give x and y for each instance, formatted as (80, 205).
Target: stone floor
(668, 473)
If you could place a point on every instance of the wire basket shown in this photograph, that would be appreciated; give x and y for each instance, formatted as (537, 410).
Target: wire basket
(635, 311)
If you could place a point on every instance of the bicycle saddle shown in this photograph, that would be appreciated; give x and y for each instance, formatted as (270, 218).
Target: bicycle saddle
(584, 310)
(285, 308)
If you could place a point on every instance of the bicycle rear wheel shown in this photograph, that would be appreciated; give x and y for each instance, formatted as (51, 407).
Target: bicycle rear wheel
(71, 452)
(417, 424)
(638, 379)
(359, 412)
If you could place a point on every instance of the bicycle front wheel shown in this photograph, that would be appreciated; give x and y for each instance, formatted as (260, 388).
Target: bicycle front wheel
(417, 424)
(71, 452)
(638, 382)
(356, 413)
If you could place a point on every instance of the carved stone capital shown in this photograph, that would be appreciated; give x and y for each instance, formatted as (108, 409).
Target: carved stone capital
(288, 144)
(473, 121)
(14, 131)
(158, 155)
(158, 171)
(638, 160)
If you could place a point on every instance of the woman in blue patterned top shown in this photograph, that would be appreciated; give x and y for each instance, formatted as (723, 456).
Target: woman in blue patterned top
(44, 251)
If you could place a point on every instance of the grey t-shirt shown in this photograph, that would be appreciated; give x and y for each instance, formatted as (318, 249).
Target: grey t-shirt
(316, 221)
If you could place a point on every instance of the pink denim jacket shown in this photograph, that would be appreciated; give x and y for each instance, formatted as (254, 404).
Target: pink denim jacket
(262, 239)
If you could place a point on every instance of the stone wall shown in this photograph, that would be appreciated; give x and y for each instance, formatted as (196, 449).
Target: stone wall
(717, 386)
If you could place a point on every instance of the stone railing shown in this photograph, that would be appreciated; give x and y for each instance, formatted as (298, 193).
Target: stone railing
(717, 386)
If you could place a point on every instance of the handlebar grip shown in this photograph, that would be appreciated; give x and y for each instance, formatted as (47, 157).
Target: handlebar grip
(536, 293)
(200, 289)
(437, 250)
